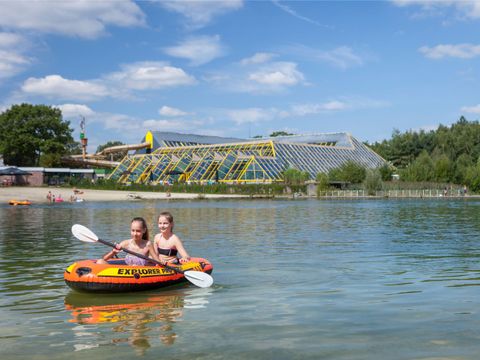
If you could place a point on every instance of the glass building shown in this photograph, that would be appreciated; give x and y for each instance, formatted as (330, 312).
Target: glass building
(188, 158)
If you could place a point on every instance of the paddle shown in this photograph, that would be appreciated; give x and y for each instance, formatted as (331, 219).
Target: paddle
(198, 278)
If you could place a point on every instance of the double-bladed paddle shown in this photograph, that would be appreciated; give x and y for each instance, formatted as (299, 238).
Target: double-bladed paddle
(197, 278)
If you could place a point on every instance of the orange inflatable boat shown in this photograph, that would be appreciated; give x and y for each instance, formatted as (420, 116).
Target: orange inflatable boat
(87, 275)
(20, 202)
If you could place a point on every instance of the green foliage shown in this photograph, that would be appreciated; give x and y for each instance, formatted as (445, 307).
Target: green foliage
(452, 151)
(295, 177)
(443, 168)
(472, 177)
(421, 169)
(280, 133)
(373, 181)
(349, 172)
(323, 182)
(34, 134)
(386, 171)
(267, 190)
(464, 161)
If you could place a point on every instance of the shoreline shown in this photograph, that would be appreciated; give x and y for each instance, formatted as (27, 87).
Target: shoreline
(39, 195)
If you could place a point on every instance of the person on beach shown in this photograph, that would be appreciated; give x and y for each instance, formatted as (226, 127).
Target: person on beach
(49, 196)
(139, 243)
(166, 245)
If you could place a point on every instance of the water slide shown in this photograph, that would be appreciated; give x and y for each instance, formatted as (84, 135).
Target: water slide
(100, 158)
(118, 148)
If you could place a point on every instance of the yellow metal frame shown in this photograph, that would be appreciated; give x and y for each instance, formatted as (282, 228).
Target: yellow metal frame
(193, 157)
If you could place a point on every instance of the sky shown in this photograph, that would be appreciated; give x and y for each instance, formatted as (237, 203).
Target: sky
(243, 68)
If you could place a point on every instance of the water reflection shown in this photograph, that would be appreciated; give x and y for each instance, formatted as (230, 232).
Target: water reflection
(134, 319)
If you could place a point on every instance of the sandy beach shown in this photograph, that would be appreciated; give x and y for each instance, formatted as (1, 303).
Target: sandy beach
(39, 194)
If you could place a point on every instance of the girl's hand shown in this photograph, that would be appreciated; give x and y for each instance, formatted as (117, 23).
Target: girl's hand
(117, 248)
(184, 260)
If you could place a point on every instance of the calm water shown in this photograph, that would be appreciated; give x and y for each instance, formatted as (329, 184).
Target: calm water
(301, 279)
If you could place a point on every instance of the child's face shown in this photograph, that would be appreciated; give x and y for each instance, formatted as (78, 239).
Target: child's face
(164, 224)
(137, 230)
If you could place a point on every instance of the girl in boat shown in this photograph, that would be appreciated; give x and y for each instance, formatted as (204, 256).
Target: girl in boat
(167, 245)
(139, 243)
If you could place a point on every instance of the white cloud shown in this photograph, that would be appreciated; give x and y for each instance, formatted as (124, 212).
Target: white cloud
(150, 75)
(250, 115)
(469, 9)
(471, 109)
(199, 50)
(462, 51)
(258, 58)
(292, 12)
(12, 60)
(342, 57)
(75, 111)
(55, 86)
(278, 74)
(170, 111)
(136, 76)
(120, 122)
(82, 18)
(258, 77)
(164, 125)
(200, 13)
(309, 109)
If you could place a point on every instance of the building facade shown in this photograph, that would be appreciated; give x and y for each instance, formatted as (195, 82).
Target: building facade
(205, 159)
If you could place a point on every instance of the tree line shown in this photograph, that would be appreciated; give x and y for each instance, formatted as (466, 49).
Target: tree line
(449, 154)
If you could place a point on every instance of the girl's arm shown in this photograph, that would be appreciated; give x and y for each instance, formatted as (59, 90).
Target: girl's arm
(181, 250)
(154, 247)
(115, 251)
(153, 250)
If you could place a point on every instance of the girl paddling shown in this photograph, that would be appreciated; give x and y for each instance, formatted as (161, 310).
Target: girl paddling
(139, 243)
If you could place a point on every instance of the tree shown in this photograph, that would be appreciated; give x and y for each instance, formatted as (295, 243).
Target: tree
(373, 181)
(33, 135)
(443, 168)
(386, 171)
(114, 156)
(349, 172)
(280, 133)
(295, 177)
(472, 177)
(422, 169)
(323, 182)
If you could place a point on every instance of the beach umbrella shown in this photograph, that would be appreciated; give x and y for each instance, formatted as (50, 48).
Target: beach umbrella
(13, 171)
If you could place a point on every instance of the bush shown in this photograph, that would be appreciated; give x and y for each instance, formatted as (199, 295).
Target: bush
(349, 172)
(373, 181)
(295, 177)
(322, 181)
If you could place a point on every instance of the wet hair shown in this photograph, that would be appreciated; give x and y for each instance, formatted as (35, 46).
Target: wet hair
(168, 216)
(145, 235)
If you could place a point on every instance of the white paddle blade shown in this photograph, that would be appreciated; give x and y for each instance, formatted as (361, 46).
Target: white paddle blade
(83, 233)
(199, 278)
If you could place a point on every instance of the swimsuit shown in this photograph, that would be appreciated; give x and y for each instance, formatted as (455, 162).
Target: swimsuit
(135, 260)
(167, 252)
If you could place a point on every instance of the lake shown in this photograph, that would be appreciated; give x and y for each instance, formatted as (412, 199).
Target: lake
(294, 279)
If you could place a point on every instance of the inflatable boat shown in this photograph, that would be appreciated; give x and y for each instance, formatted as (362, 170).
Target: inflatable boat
(20, 202)
(116, 276)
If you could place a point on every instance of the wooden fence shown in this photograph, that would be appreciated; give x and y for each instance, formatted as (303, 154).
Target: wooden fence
(425, 193)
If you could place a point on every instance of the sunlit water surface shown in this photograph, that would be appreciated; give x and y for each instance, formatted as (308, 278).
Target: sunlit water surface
(294, 279)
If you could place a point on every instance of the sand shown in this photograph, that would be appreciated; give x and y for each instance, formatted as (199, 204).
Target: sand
(39, 194)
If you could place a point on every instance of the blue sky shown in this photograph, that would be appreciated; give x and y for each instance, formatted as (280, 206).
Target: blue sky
(243, 68)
